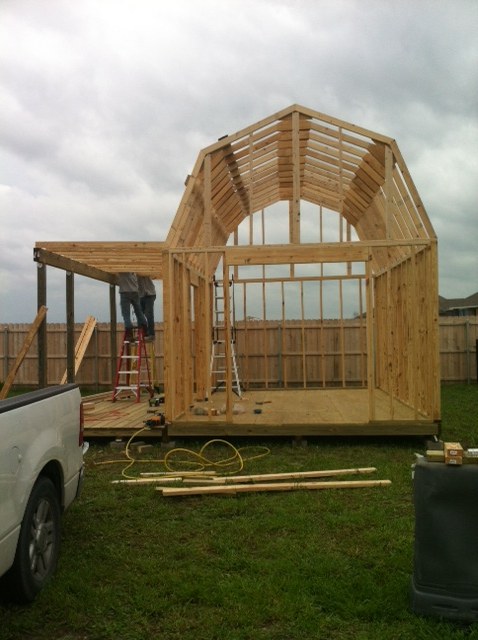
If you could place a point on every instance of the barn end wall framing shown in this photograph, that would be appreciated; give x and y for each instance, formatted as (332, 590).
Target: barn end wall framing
(398, 354)
(298, 157)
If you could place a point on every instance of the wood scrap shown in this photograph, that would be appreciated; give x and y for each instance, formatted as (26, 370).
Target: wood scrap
(23, 351)
(145, 447)
(82, 344)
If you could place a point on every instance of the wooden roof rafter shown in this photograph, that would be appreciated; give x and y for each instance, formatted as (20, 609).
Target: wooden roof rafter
(102, 260)
(333, 148)
(329, 170)
(236, 184)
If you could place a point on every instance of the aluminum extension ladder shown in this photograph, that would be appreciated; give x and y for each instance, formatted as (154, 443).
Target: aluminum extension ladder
(218, 350)
(133, 370)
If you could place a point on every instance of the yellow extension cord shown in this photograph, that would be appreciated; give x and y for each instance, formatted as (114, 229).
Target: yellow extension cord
(180, 459)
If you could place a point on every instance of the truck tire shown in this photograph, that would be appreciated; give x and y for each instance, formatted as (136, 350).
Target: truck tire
(38, 545)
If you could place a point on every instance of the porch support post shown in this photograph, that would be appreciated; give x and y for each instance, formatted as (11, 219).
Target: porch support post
(70, 326)
(42, 330)
(113, 343)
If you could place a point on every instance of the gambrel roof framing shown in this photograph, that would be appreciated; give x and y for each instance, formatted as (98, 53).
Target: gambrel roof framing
(294, 155)
(300, 154)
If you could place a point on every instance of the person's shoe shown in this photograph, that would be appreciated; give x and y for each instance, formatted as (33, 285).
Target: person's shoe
(128, 335)
(149, 338)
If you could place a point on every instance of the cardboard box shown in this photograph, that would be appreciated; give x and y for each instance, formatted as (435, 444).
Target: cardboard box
(453, 453)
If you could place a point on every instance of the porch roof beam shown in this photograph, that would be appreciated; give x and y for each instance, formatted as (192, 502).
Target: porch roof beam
(67, 264)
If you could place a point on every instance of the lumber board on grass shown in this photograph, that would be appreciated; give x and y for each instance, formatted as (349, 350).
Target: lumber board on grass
(272, 486)
(292, 475)
(152, 480)
(183, 474)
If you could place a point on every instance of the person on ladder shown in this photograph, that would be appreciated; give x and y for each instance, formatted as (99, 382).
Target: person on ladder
(147, 296)
(129, 297)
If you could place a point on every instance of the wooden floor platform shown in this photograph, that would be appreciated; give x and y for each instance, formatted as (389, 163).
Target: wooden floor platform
(311, 412)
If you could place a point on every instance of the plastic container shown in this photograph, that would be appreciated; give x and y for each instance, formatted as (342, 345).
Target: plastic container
(445, 579)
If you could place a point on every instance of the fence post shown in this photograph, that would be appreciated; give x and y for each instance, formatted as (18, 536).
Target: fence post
(5, 353)
(113, 323)
(280, 379)
(97, 364)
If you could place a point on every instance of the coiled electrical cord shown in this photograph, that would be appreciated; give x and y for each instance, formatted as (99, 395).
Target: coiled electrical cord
(183, 460)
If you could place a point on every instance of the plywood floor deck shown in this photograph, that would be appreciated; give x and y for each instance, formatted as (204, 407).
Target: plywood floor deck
(311, 412)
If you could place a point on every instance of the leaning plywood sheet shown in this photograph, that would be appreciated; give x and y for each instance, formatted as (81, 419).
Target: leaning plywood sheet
(82, 344)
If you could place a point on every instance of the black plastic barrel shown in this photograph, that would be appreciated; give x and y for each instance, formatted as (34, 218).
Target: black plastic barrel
(445, 578)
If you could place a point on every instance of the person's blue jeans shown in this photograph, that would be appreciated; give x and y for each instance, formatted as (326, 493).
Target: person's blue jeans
(147, 307)
(130, 299)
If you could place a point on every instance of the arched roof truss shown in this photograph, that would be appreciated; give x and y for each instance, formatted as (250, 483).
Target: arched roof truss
(300, 155)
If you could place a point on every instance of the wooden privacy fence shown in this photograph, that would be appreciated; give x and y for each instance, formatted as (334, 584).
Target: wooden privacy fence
(270, 354)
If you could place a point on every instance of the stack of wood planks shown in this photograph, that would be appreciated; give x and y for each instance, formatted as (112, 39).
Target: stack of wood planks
(204, 484)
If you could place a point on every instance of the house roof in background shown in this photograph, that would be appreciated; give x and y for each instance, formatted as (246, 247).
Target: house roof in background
(448, 304)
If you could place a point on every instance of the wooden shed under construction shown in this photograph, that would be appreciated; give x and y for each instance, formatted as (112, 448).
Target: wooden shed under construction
(300, 220)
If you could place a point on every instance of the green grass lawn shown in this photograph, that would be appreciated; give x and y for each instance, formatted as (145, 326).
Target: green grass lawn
(302, 565)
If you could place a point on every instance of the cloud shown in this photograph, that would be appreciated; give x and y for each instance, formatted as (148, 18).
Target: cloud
(104, 107)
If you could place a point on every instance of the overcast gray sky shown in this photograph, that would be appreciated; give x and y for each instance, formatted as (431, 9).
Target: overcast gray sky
(105, 105)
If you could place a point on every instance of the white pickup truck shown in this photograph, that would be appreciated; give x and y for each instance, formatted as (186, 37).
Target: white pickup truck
(41, 473)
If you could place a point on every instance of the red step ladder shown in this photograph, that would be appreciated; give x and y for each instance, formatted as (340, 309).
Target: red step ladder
(133, 371)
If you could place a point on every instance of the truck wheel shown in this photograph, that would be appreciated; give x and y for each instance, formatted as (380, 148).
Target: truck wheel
(38, 545)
